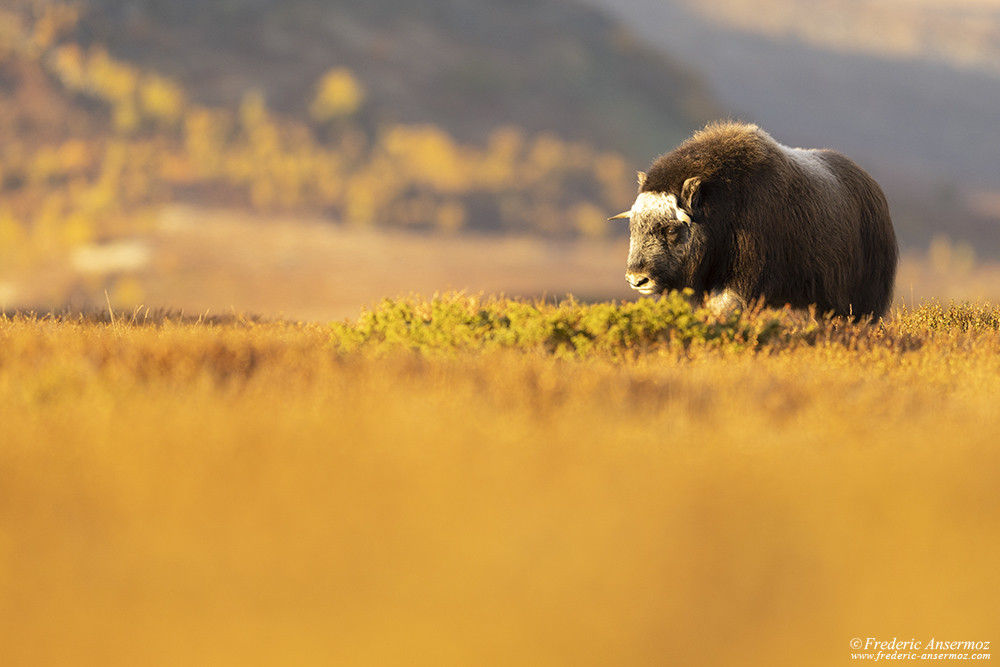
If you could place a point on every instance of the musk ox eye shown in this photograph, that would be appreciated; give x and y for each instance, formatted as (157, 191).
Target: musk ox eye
(677, 232)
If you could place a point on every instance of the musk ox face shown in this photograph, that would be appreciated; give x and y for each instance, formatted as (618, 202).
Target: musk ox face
(660, 239)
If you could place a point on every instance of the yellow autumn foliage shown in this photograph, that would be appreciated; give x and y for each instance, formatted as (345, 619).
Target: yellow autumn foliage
(160, 143)
(338, 94)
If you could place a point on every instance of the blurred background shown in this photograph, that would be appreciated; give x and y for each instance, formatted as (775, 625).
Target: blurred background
(305, 158)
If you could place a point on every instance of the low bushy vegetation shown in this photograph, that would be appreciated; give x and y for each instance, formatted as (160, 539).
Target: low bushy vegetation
(458, 323)
(487, 481)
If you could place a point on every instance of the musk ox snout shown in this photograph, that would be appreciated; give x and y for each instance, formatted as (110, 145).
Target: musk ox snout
(639, 280)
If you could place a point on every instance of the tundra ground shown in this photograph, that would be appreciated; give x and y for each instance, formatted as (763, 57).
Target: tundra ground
(473, 481)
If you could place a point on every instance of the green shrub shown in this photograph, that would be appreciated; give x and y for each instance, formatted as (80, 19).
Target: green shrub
(459, 323)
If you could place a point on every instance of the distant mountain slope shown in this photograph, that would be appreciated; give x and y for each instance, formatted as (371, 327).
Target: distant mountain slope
(465, 65)
(448, 115)
(816, 72)
(908, 88)
(964, 34)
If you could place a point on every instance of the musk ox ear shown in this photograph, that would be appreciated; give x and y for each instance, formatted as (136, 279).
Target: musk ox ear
(691, 194)
(641, 177)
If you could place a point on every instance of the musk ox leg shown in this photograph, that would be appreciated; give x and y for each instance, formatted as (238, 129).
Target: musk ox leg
(723, 303)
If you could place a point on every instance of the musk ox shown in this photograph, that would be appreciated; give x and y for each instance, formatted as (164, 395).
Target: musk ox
(738, 217)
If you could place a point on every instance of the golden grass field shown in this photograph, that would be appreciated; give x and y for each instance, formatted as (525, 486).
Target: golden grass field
(241, 492)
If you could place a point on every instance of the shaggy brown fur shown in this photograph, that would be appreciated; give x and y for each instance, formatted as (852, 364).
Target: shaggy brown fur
(751, 219)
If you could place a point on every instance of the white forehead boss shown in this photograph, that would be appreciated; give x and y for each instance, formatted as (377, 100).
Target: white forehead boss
(659, 203)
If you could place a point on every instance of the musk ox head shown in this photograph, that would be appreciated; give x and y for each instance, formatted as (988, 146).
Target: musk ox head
(664, 238)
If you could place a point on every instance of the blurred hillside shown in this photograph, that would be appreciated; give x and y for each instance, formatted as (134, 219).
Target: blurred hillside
(433, 115)
(909, 88)
(468, 66)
